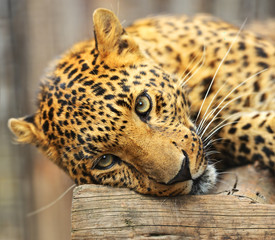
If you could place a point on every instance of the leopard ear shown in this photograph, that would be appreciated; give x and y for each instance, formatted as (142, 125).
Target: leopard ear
(24, 129)
(112, 41)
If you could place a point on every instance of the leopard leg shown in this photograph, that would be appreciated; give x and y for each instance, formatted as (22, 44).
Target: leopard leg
(249, 137)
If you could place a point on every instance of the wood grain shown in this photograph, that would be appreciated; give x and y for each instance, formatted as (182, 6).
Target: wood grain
(100, 212)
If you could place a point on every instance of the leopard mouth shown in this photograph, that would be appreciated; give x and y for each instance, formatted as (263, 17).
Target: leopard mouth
(206, 182)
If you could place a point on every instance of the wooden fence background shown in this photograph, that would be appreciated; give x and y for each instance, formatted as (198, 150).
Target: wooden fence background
(31, 34)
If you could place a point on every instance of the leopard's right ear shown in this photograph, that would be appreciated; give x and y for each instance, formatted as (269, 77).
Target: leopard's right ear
(24, 129)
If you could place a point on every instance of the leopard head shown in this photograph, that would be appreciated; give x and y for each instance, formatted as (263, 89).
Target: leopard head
(108, 114)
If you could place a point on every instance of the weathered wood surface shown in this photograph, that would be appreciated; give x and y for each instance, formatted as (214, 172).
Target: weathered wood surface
(100, 212)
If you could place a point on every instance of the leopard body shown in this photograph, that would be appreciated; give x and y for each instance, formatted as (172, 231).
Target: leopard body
(143, 107)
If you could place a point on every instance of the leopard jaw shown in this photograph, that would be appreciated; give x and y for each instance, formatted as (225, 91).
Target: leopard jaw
(205, 182)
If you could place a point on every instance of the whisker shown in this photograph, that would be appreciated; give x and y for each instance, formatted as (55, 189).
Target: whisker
(207, 145)
(191, 62)
(212, 141)
(217, 129)
(242, 83)
(182, 80)
(117, 8)
(228, 172)
(222, 61)
(202, 128)
(52, 203)
(211, 153)
(214, 118)
(200, 66)
(225, 183)
(216, 162)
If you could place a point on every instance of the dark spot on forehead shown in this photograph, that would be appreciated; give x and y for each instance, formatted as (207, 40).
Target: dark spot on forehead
(244, 138)
(268, 152)
(263, 65)
(168, 48)
(154, 72)
(259, 139)
(242, 46)
(125, 88)
(124, 72)
(84, 67)
(62, 65)
(109, 97)
(114, 110)
(67, 69)
(263, 97)
(232, 130)
(114, 77)
(45, 127)
(246, 126)
(72, 73)
(268, 128)
(256, 86)
(260, 52)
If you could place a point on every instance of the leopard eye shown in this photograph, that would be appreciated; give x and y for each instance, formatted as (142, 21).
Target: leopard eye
(143, 105)
(106, 161)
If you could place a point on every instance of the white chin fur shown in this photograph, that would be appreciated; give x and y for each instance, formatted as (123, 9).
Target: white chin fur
(205, 182)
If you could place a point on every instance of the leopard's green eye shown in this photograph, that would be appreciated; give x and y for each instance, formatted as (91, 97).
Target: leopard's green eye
(106, 161)
(143, 105)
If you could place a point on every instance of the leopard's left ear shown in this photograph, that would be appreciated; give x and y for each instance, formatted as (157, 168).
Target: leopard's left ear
(112, 41)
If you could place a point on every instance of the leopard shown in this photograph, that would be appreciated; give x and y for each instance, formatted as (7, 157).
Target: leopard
(154, 106)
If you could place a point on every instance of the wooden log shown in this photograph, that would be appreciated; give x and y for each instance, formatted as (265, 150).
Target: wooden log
(100, 212)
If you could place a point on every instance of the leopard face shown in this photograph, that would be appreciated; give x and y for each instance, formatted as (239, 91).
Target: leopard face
(109, 115)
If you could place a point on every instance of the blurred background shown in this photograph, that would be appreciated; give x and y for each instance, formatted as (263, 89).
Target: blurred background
(31, 34)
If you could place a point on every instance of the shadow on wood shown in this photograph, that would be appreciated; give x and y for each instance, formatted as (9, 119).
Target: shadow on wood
(100, 212)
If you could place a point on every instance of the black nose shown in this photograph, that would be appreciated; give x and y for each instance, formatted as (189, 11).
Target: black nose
(184, 173)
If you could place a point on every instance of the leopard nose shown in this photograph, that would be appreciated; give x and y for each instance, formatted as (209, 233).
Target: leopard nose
(184, 172)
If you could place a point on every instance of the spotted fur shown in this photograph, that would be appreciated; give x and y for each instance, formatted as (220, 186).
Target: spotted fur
(197, 95)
